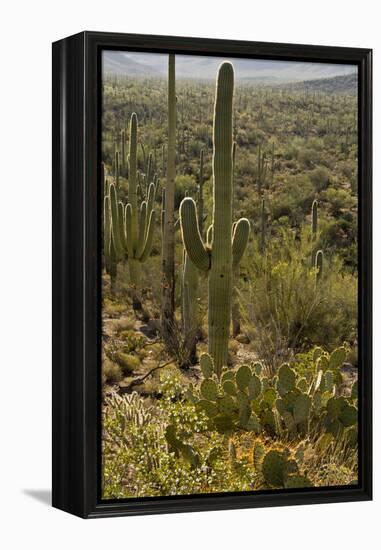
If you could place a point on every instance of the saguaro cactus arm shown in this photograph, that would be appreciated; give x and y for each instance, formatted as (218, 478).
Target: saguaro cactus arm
(130, 248)
(142, 229)
(115, 222)
(149, 238)
(240, 239)
(191, 235)
(106, 231)
(122, 229)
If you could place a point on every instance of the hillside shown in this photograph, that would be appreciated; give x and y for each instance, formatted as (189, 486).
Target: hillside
(342, 84)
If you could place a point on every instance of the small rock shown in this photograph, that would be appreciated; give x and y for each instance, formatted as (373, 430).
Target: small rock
(242, 339)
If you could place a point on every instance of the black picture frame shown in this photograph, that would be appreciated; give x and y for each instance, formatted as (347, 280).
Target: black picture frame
(76, 273)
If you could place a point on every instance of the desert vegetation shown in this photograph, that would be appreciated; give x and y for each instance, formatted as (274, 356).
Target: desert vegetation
(229, 284)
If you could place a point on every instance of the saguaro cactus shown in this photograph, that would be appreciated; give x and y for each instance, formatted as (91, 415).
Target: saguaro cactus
(139, 220)
(132, 226)
(201, 194)
(225, 251)
(261, 169)
(168, 251)
(319, 265)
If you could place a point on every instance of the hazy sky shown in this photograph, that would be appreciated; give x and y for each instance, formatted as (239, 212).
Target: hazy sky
(202, 67)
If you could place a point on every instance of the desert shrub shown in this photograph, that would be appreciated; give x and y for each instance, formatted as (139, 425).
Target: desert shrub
(338, 200)
(132, 340)
(340, 237)
(308, 157)
(319, 177)
(139, 456)
(128, 362)
(284, 306)
(111, 372)
(184, 185)
(293, 199)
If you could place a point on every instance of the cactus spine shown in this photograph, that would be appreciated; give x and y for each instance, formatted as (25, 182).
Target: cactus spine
(168, 246)
(225, 251)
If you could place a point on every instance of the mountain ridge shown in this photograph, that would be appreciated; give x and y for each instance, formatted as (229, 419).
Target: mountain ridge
(205, 67)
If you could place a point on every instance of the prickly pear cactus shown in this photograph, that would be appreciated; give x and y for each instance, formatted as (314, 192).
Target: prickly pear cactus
(274, 468)
(279, 470)
(229, 401)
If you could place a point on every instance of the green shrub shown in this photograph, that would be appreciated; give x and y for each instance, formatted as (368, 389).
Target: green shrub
(128, 362)
(111, 372)
(319, 178)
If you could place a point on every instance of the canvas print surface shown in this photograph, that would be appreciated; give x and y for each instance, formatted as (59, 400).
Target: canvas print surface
(229, 275)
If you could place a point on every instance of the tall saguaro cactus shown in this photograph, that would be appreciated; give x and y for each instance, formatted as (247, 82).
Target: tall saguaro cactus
(261, 169)
(132, 226)
(168, 251)
(139, 219)
(225, 252)
(201, 194)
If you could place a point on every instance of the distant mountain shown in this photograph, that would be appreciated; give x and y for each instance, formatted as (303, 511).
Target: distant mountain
(118, 63)
(205, 68)
(343, 84)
